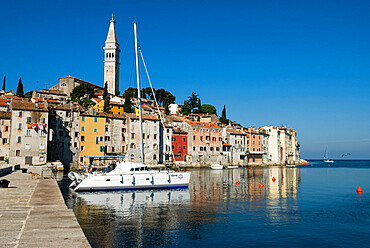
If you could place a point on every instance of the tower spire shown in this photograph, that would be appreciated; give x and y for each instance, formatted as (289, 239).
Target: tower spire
(111, 61)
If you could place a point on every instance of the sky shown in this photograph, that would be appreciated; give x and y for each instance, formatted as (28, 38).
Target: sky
(303, 64)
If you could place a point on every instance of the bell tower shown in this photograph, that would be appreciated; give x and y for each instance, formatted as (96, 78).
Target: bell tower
(111, 59)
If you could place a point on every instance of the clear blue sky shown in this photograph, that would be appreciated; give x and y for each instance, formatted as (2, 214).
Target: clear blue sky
(304, 64)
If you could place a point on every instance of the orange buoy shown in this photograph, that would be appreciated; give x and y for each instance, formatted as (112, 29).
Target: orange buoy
(359, 190)
(237, 182)
(250, 169)
(273, 179)
(261, 185)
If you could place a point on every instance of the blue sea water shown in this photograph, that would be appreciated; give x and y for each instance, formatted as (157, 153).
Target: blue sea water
(314, 206)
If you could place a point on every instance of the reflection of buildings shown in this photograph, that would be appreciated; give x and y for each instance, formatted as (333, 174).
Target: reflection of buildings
(154, 218)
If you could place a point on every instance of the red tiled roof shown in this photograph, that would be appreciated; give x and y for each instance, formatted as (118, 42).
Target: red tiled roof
(234, 131)
(145, 117)
(5, 115)
(201, 124)
(23, 105)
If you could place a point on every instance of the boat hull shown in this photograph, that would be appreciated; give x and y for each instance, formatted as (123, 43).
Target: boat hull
(159, 180)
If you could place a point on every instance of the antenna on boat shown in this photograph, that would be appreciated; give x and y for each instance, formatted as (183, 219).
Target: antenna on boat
(139, 92)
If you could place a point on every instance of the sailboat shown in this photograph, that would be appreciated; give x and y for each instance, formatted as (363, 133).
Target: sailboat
(326, 157)
(130, 175)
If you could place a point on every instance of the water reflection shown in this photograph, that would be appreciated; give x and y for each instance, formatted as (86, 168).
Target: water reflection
(166, 217)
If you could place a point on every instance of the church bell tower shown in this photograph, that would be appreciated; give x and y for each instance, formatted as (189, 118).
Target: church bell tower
(111, 61)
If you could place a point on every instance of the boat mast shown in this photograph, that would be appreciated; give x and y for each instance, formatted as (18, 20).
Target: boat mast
(139, 93)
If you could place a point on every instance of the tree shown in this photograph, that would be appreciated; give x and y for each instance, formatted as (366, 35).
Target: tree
(82, 91)
(28, 94)
(208, 109)
(191, 105)
(4, 84)
(132, 92)
(223, 118)
(20, 92)
(127, 104)
(166, 110)
(106, 99)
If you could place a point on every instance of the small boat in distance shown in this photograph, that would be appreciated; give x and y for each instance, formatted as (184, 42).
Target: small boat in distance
(217, 167)
(232, 167)
(326, 157)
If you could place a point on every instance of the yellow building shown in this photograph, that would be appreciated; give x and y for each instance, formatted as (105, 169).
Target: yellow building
(92, 128)
(115, 107)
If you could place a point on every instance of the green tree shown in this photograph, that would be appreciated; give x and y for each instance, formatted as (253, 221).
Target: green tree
(191, 105)
(106, 99)
(28, 94)
(132, 92)
(4, 84)
(127, 104)
(147, 93)
(166, 110)
(20, 92)
(82, 91)
(208, 109)
(223, 118)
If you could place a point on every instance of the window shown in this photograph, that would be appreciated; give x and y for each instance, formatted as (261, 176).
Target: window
(183, 140)
(207, 129)
(193, 137)
(82, 138)
(201, 148)
(132, 146)
(28, 132)
(217, 148)
(18, 153)
(19, 125)
(42, 146)
(123, 130)
(212, 149)
(184, 147)
(213, 138)
(95, 119)
(81, 159)
(63, 84)
(155, 136)
(207, 138)
(101, 138)
(42, 133)
(5, 141)
(123, 148)
(112, 149)
(82, 129)
(155, 156)
(6, 128)
(82, 148)
(28, 146)
(97, 140)
(75, 144)
(193, 148)
(29, 119)
(219, 139)
(107, 138)
(201, 137)
(205, 148)
(106, 129)
(173, 147)
(95, 130)
(20, 114)
(174, 139)
(83, 118)
(132, 136)
(19, 139)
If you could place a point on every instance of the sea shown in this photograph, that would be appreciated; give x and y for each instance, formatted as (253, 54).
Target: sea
(305, 206)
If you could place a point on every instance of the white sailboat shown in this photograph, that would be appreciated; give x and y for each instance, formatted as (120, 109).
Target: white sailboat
(129, 175)
(326, 157)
